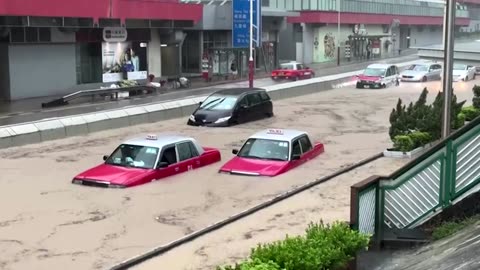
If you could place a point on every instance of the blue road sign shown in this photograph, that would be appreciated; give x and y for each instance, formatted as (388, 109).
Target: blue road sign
(241, 23)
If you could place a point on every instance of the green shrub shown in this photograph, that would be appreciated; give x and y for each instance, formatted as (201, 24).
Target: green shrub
(252, 265)
(403, 143)
(476, 98)
(419, 138)
(470, 113)
(323, 247)
(459, 121)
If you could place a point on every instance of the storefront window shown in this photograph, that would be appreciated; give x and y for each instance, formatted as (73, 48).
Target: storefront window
(191, 53)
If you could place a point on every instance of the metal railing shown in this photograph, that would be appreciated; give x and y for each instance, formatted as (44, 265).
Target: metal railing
(92, 93)
(441, 177)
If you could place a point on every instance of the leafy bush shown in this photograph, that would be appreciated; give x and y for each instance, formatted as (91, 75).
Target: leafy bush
(403, 143)
(252, 265)
(476, 98)
(419, 138)
(470, 113)
(420, 117)
(323, 247)
(460, 121)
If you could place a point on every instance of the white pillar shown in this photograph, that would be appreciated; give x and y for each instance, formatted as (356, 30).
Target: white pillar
(154, 54)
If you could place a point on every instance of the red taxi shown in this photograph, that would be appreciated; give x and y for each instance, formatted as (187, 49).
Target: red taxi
(148, 159)
(272, 152)
(292, 71)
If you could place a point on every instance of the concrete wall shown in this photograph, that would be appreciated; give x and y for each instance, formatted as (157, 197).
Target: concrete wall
(215, 17)
(154, 55)
(425, 36)
(325, 54)
(41, 69)
(4, 73)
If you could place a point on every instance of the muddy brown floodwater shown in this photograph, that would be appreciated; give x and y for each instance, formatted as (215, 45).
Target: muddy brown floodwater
(48, 223)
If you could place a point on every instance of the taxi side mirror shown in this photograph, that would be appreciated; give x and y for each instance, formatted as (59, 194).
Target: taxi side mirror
(163, 165)
(105, 157)
(200, 103)
(235, 151)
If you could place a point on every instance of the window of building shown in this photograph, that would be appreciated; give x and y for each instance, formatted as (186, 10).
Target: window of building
(265, 3)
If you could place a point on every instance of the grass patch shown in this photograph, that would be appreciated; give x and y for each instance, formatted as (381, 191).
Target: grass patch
(451, 227)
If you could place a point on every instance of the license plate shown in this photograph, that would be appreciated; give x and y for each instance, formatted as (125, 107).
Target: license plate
(366, 86)
(281, 73)
(307, 73)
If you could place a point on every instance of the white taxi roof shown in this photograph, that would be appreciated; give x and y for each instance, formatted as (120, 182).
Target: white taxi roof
(380, 65)
(278, 134)
(161, 140)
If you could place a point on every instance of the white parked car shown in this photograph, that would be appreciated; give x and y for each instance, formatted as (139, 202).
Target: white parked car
(463, 72)
(421, 72)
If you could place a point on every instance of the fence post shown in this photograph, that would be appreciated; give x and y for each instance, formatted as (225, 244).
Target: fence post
(447, 180)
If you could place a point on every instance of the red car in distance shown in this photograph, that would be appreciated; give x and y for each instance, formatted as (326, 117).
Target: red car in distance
(272, 152)
(142, 160)
(292, 71)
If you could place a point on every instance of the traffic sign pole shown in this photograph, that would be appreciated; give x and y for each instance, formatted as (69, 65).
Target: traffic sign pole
(251, 66)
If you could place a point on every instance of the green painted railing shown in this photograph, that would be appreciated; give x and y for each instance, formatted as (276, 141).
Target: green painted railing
(444, 175)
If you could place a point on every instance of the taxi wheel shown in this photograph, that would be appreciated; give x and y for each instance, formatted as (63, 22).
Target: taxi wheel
(295, 78)
(424, 79)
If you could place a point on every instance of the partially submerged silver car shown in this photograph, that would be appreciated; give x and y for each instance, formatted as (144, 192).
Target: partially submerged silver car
(421, 72)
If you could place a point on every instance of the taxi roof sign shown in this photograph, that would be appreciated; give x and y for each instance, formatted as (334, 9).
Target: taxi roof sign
(275, 131)
(152, 137)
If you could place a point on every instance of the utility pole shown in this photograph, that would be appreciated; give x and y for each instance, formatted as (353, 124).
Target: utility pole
(448, 43)
(250, 60)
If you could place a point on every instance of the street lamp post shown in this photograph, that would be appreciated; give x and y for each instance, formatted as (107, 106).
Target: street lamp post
(250, 60)
(448, 43)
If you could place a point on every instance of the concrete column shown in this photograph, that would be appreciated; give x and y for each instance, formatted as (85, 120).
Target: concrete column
(154, 54)
(201, 49)
(307, 47)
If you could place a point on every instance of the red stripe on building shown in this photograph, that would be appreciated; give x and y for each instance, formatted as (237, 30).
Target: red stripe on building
(366, 18)
(156, 9)
(123, 9)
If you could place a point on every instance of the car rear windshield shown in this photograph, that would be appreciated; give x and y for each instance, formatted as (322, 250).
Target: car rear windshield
(265, 149)
(418, 68)
(219, 102)
(374, 72)
(287, 66)
(136, 156)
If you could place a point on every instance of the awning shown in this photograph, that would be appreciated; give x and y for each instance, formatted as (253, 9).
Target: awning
(272, 12)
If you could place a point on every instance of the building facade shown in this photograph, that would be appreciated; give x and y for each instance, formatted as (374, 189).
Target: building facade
(362, 28)
(53, 47)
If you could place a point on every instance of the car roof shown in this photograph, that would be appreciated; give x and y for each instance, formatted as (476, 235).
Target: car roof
(278, 134)
(380, 65)
(237, 91)
(161, 140)
(291, 62)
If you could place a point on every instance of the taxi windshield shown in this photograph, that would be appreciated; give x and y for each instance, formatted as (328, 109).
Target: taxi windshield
(135, 156)
(374, 72)
(287, 66)
(218, 102)
(265, 149)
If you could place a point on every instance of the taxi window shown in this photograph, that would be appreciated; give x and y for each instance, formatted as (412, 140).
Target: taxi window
(299, 66)
(169, 155)
(134, 156)
(305, 143)
(296, 150)
(184, 151)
